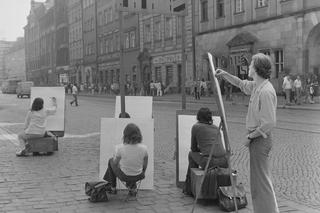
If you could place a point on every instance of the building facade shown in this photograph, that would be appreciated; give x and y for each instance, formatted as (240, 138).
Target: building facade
(4, 46)
(89, 41)
(75, 41)
(14, 61)
(62, 71)
(32, 43)
(160, 50)
(286, 30)
(109, 45)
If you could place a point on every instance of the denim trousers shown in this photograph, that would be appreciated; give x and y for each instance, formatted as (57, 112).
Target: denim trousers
(262, 192)
(113, 172)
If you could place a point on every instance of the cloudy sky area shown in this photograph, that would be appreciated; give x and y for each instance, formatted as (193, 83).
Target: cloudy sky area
(13, 17)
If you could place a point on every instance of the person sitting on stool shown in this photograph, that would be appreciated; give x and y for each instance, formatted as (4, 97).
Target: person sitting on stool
(204, 135)
(130, 161)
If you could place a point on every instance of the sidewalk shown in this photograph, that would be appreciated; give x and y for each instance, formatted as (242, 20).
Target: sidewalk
(238, 99)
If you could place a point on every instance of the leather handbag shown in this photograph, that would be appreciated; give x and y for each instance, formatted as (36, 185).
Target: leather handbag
(225, 195)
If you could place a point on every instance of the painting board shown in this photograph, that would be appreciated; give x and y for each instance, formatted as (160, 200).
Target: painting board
(111, 135)
(185, 120)
(136, 106)
(55, 123)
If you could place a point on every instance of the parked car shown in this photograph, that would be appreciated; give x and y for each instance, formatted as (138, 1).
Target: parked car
(9, 86)
(24, 89)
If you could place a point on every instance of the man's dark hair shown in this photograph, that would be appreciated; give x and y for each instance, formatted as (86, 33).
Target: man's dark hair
(37, 104)
(204, 115)
(262, 65)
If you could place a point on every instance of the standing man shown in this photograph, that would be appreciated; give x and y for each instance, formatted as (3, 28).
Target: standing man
(261, 119)
(75, 95)
(287, 87)
(297, 87)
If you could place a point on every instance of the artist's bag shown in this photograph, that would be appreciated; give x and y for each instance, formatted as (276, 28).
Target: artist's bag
(225, 195)
(97, 191)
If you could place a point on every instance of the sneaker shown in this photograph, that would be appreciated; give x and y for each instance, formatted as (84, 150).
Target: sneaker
(133, 192)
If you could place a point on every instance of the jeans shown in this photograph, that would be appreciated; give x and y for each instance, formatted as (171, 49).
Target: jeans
(113, 172)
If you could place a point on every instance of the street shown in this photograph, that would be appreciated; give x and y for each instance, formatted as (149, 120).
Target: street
(56, 183)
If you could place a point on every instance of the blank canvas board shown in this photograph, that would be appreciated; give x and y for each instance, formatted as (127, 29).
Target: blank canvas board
(111, 135)
(136, 106)
(54, 122)
(185, 123)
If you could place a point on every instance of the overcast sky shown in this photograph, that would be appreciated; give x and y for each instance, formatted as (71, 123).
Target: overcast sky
(13, 17)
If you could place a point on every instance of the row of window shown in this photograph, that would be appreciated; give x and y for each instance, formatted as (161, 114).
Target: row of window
(107, 16)
(88, 3)
(158, 25)
(76, 51)
(220, 5)
(89, 49)
(88, 25)
(75, 33)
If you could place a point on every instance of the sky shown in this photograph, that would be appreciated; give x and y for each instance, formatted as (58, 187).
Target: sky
(13, 17)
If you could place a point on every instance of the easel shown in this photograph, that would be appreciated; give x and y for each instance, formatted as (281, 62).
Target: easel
(224, 126)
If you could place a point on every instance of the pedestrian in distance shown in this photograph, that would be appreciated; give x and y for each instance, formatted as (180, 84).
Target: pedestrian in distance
(35, 124)
(287, 87)
(260, 120)
(75, 95)
(130, 161)
(204, 135)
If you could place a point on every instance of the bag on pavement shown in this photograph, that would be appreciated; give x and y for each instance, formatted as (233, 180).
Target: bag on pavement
(225, 195)
(97, 191)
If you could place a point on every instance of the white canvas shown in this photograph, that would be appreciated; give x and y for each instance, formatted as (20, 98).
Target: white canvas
(185, 123)
(111, 135)
(136, 106)
(54, 122)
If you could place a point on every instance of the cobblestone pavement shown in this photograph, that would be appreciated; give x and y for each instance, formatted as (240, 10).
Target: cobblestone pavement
(56, 183)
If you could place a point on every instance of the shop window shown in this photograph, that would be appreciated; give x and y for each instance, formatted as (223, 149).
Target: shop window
(169, 75)
(279, 61)
(158, 74)
(204, 10)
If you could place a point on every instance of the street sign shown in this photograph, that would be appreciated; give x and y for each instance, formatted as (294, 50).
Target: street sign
(166, 7)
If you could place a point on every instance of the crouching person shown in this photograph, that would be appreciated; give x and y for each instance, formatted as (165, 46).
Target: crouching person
(204, 135)
(35, 124)
(129, 162)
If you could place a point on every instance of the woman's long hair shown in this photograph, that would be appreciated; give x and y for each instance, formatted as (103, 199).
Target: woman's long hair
(204, 115)
(132, 134)
(37, 104)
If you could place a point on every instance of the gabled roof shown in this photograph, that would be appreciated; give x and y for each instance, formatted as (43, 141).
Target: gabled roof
(242, 39)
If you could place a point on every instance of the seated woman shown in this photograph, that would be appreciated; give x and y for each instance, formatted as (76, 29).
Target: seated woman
(204, 135)
(35, 123)
(129, 162)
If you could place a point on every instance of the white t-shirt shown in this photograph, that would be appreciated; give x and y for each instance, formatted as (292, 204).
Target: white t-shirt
(132, 156)
(297, 83)
(74, 90)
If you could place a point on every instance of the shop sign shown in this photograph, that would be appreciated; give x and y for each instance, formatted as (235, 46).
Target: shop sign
(167, 59)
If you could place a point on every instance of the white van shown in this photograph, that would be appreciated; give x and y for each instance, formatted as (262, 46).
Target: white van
(24, 89)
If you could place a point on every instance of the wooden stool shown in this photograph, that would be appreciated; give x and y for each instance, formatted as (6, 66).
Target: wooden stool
(45, 144)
